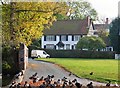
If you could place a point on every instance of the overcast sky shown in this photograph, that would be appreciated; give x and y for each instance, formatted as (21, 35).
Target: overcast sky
(105, 8)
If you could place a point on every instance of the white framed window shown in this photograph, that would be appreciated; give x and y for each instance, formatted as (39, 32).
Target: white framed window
(76, 37)
(95, 33)
(75, 46)
(50, 38)
(109, 49)
(64, 38)
(50, 46)
(67, 46)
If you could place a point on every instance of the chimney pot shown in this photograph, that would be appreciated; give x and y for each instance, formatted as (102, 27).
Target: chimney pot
(106, 22)
(89, 20)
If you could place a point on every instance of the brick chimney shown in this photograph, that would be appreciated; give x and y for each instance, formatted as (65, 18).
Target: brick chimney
(106, 21)
(89, 20)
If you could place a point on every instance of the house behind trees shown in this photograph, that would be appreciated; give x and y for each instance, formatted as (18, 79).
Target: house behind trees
(65, 34)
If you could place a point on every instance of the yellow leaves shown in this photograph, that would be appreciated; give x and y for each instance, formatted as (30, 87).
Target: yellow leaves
(25, 5)
(31, 18)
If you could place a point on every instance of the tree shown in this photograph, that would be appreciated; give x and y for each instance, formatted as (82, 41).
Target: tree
(115, 34)
(103, 33)
(90, 43)
(36, 44)
(81, 9)
(5, 23)
(104, 25)
(25, 21)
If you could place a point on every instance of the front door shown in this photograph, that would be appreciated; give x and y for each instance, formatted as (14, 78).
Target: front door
(60, 47)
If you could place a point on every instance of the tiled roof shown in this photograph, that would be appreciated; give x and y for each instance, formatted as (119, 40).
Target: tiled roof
(101, 26)
(68, 27)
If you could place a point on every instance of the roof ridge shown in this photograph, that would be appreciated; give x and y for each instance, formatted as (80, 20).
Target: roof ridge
(72, 20)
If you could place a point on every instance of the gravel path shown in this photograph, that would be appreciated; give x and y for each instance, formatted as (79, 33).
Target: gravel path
(44, 69)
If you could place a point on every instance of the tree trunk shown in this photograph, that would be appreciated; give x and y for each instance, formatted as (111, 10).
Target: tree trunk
(12, 22)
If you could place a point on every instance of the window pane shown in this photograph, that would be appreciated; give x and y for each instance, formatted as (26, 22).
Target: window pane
(44, 53)
(76, 38)
(50, 38)
(67, 46)
(75, 46)
(50, 46)
(63, 38)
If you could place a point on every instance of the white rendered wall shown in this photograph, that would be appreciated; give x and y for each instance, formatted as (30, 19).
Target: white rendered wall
(57, 40)
(91, 31)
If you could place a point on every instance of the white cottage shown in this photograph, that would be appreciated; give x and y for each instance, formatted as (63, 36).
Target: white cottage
(64, 34)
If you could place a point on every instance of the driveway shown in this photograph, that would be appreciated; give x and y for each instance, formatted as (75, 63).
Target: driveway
(45, 68)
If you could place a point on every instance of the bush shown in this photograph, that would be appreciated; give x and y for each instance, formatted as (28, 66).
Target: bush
(80, 54)
(5, 65)
(10, 60)
(9, 68)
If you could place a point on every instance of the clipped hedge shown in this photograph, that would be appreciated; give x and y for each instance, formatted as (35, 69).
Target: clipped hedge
(80, 54)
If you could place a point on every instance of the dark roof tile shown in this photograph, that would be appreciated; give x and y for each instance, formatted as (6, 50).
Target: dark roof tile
(101, 26)
(68, 27)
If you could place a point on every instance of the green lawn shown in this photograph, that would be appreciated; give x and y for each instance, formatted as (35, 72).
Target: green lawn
(103, 69)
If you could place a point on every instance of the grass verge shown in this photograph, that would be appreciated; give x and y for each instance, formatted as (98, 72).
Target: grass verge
(103, 70)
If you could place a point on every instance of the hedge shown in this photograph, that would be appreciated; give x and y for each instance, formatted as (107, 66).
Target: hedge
(80, 54)
(76, 53)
